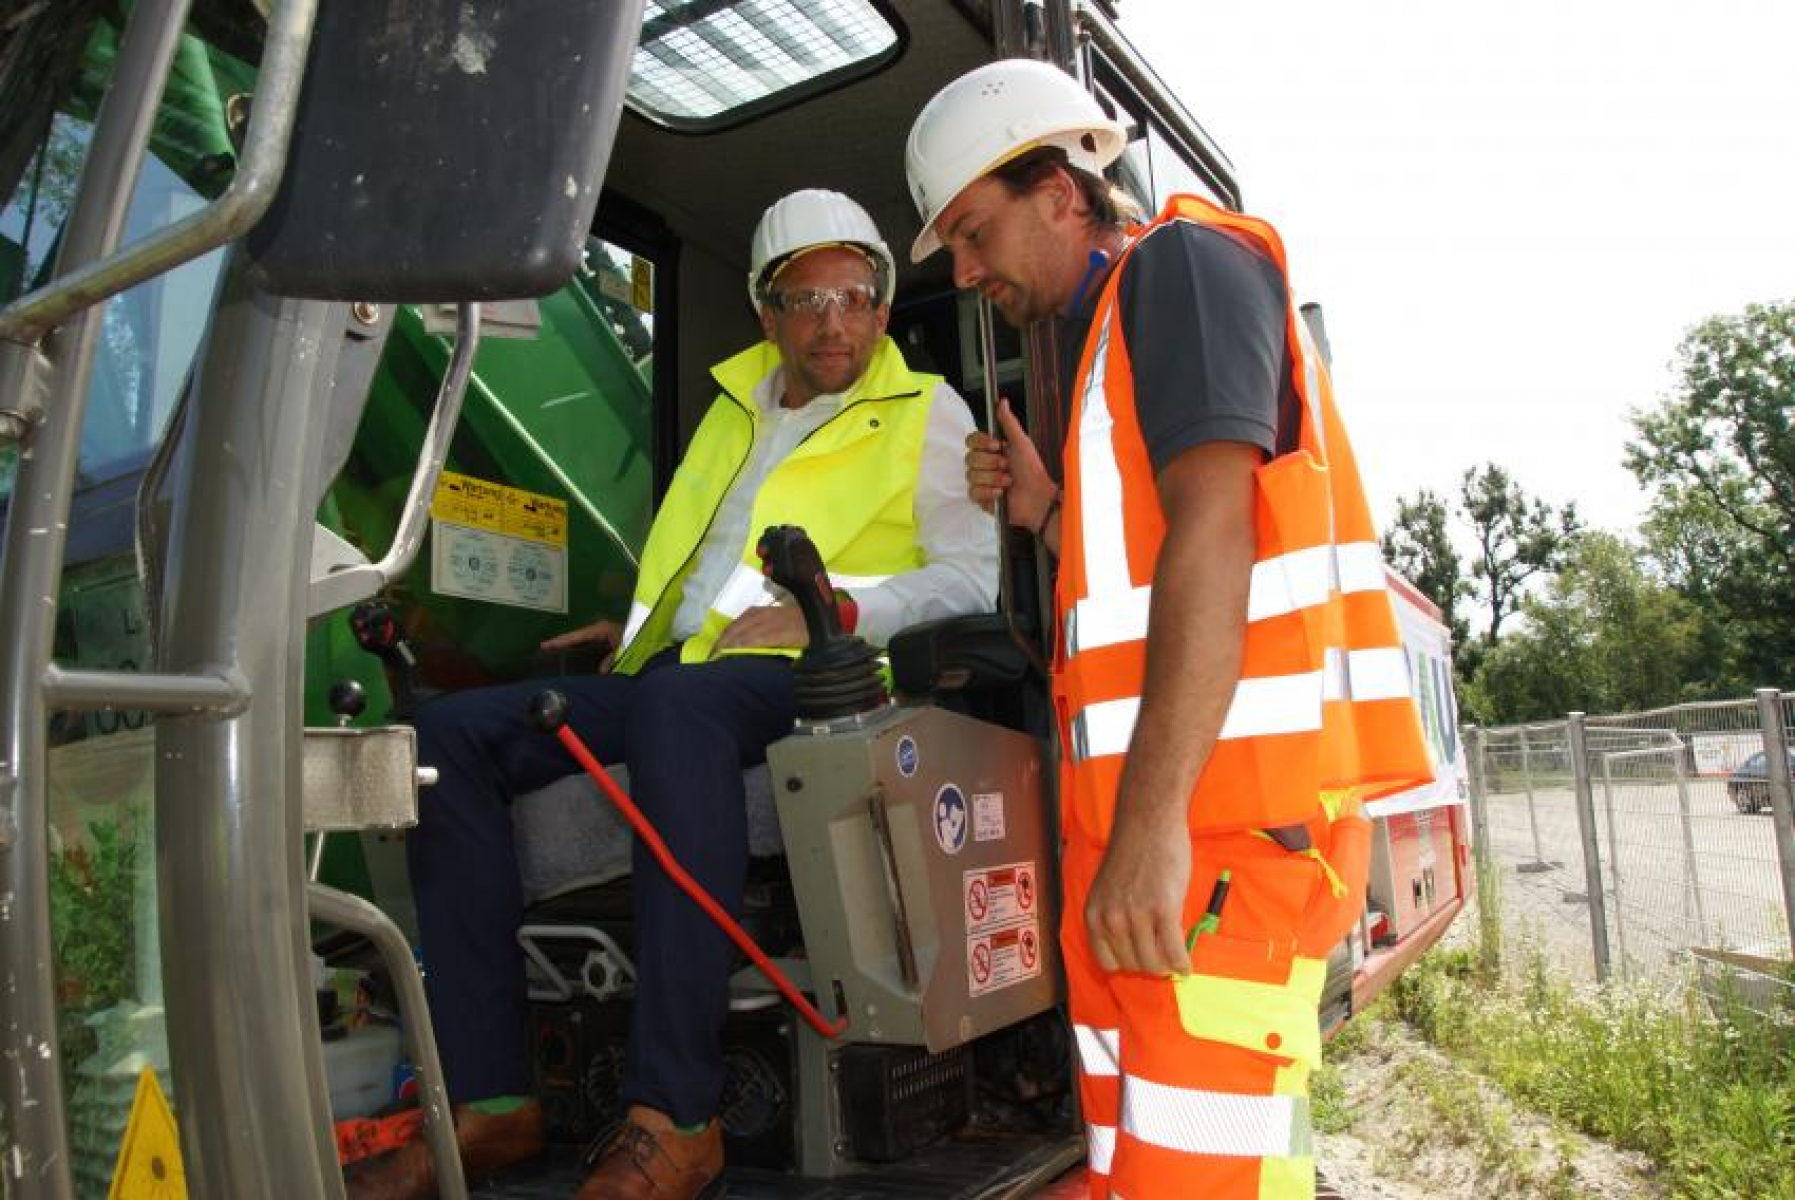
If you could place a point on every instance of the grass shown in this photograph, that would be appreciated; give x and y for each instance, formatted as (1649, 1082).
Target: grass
(1416, 1103)
(1708, 1096)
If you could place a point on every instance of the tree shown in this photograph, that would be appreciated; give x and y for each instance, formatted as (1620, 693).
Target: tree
(1709, 561)
(1517, 538)
(1606, 636)
(1719, 454)
(1419, 545)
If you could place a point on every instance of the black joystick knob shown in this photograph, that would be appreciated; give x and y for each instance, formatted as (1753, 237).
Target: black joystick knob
(791, 561)
(838, 674)
(377, 630)
(347, 699)
(549, 709)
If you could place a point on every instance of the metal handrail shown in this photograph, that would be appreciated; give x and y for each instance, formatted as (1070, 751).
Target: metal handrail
(250, 193)
(355, 914)
(48, 406)
(346, 586)
(73, 690)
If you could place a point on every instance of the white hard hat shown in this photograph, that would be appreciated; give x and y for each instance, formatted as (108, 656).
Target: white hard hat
(991, 115)
(810, 220)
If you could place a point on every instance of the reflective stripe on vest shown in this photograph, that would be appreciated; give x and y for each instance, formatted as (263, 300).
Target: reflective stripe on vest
(1282, 584)
(1100, 1147)
(746, 588)
(1324, 701)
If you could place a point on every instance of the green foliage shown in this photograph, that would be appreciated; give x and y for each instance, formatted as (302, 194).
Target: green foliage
(1517, 536)
(1719, 456)
(92, 888)
(1605, 637)
(1329, 1110)
(1415, 1102)
(1419, 545)
(1710, 1099)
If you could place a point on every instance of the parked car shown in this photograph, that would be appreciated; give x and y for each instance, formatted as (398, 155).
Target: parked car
(1749, 786)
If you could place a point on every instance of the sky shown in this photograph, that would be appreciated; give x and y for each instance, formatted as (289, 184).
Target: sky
(1511, 213)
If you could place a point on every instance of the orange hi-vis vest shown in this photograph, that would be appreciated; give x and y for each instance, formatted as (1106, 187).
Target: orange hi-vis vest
(1324, 704)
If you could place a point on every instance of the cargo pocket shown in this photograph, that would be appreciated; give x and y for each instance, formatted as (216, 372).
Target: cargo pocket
(1226, 998)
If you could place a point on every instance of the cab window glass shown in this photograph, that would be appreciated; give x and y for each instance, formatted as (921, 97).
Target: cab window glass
(622, 285)
(149, 334)
(1133, 171)
(700, 64)
(1172, 176)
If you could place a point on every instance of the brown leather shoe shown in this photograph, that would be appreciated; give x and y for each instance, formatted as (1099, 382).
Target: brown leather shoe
(488, 1144)
(648, 1159)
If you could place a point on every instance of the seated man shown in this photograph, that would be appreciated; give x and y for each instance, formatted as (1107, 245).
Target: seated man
(820, 425)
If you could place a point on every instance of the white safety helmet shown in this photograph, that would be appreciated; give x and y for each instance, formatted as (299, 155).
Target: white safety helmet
(811, 220)
(991, 115)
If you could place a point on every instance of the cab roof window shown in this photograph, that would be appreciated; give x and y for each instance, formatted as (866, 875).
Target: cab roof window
(702, 64)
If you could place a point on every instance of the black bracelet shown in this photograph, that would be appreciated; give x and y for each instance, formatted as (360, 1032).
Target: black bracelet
(1053, 506)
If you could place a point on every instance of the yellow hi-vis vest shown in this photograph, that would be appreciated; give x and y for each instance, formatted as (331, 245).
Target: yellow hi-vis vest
(851, 484)
(1324, 704)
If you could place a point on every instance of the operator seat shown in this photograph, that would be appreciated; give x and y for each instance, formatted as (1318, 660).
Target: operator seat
(568, 835)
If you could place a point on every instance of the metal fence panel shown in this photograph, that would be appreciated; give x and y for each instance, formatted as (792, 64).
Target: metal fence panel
(1693, 869)
(1542, 889)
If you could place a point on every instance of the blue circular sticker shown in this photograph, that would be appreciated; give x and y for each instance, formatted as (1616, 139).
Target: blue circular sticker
(907, 756)
(950, 818)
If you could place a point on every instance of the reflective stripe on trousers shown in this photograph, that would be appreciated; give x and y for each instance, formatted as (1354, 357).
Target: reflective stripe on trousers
(1169, 1115)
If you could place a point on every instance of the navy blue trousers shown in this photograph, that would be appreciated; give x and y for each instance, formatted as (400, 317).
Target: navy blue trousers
(686, 732)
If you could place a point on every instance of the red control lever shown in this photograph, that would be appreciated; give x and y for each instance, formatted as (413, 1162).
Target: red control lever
(549, 710)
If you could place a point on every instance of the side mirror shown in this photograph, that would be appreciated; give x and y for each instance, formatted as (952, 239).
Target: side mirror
(447, 150)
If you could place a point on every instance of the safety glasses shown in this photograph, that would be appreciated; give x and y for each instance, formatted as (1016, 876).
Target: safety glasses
(854, 301)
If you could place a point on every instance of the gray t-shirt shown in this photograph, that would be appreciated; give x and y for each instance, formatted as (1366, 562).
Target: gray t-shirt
(1204, 319)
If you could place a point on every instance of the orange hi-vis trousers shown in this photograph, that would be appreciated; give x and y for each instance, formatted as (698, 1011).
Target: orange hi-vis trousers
(1197, 1086)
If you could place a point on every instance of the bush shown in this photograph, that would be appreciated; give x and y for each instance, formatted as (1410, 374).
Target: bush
(92, 887)
(1709, 1098)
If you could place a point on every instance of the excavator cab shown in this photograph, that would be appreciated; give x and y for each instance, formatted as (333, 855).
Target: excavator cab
(345, 350)
(406, 329)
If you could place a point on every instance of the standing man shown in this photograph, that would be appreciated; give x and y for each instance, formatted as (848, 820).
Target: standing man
(821, 425)
(1227, 672)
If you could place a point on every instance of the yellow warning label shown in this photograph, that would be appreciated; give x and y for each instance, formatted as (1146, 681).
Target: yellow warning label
(641, 284)
(497, 508)
(149, 1160)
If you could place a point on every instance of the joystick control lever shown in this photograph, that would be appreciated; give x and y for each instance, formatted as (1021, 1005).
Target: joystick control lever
(791, 560)
(838, 674)
(377, 630)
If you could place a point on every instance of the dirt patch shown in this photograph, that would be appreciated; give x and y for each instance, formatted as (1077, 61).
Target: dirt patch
(1419, 1127)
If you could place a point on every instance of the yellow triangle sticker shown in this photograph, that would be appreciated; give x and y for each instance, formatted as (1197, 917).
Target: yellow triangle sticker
(149, 1160)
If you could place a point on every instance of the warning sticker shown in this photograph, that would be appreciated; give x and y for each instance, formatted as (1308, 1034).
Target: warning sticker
(997, 897)
(907, 756)
(1003, 958)
(489, 566)
(149, 1160)
(987, 816)
(495, 508)
(950, 818)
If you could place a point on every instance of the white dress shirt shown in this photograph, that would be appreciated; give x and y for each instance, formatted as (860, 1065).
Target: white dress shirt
(958, 538)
